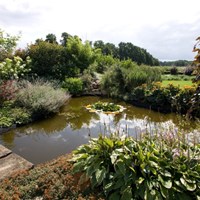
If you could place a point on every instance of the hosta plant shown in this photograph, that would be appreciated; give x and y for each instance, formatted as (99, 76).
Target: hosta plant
(151, 168)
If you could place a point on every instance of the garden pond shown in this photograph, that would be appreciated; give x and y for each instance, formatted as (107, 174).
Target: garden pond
(74, 125)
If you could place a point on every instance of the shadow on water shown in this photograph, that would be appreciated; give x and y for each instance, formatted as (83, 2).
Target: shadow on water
(44, 140)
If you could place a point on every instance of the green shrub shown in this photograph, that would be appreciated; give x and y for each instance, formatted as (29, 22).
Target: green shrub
(174, 71)
(122, 78)
(41, 98)
(11, 115)
(73, 85)
(152, 168)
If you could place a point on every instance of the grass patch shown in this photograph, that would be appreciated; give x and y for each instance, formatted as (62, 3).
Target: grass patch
(179, 83)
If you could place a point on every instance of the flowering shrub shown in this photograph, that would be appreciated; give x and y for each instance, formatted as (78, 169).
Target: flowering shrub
(14, 68)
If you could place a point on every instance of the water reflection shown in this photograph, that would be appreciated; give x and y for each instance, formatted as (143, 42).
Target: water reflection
(46, 139)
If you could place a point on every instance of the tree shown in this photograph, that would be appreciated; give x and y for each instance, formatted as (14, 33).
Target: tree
(7, 44)
(51, 38)
(46, 58)
(80, 55)
(64, 39)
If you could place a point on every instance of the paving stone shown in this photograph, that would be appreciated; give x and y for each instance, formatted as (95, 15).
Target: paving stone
(11, 163)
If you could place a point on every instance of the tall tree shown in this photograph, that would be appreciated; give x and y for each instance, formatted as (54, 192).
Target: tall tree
(64, 39)
(51, 38)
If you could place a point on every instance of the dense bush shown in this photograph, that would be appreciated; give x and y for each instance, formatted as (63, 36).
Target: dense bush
(173, 70)
(166, 99)
(46, 59)
(123, 77)
(152, 168)
(41, 98)
(73, 85)
(9, 115)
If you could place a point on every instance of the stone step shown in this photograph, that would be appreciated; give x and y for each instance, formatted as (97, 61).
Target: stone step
(11, 163)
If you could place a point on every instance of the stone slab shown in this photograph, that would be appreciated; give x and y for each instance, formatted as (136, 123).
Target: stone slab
(4, 151)
(12, 163)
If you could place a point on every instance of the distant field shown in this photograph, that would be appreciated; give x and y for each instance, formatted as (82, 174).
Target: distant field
(180, 83)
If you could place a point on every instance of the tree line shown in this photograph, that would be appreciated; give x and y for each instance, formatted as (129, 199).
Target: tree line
(124, 50)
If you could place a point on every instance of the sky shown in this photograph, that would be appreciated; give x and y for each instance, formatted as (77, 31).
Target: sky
(167, 29)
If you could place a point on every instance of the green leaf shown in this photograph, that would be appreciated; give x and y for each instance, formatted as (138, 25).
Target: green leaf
(114, 196)
(127, 194)
(78, 167)
(108, 142)
(189, 186)
(166, 173)
(113, 157)
(120, 165)
(140, 180)
(164, 191)
(100, 175)
(167, 183)
(108, 187)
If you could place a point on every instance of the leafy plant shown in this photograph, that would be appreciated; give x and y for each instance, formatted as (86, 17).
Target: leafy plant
(73, 85)
(152, 168)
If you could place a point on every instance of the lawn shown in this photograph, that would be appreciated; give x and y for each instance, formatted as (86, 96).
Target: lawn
(180, 83)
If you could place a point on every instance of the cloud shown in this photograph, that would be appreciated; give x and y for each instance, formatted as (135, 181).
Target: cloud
(171, 41)
(167, 29)
(20, 16)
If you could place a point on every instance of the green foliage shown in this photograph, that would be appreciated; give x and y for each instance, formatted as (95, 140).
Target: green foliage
(73, 85)
(166, 99)
(41, 98)
(80, 55)
(123, 77)
(7, 44)
(46, 59)
(152, 168)
(104, 62)
(11, 115)
(136, 54)
(177, 77)
(105, 106)
(14, 68)
(173, 70)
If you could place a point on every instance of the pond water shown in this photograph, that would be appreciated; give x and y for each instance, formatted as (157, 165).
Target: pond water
(44, 140)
